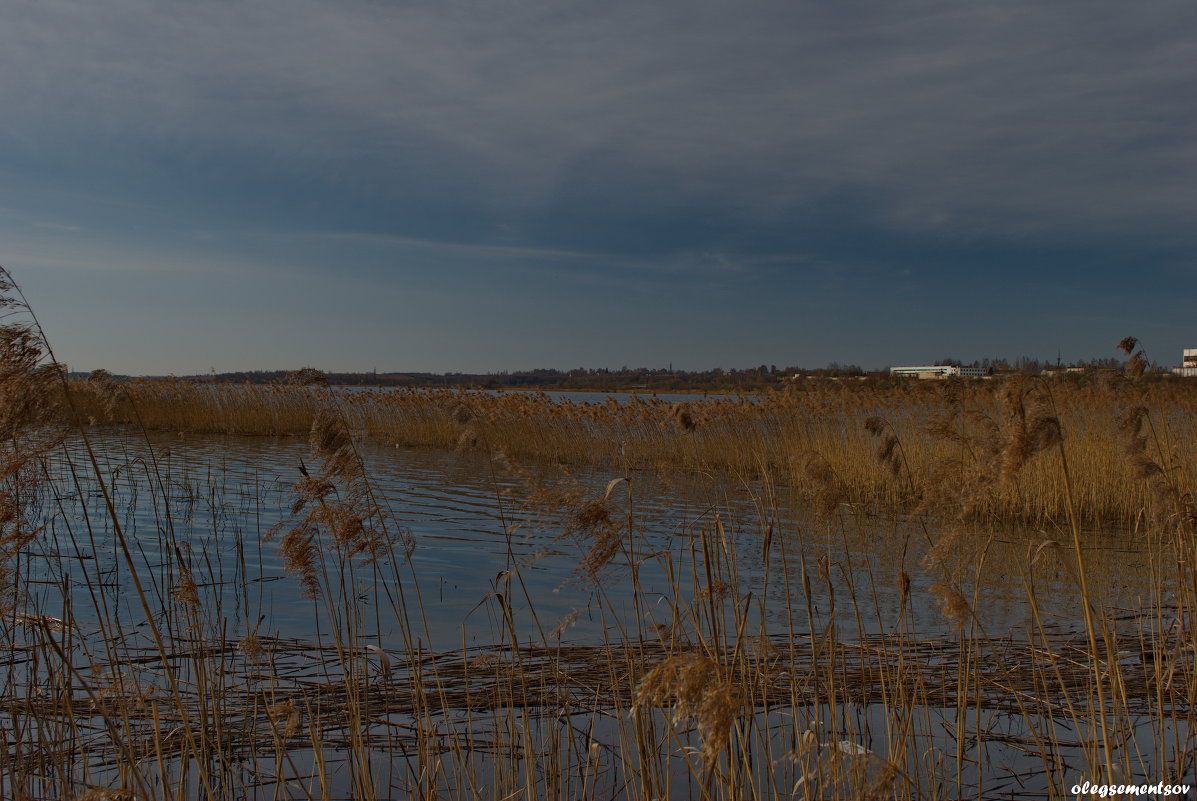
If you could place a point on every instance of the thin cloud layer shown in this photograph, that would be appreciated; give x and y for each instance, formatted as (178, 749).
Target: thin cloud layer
(467, 185)
(1014, 118)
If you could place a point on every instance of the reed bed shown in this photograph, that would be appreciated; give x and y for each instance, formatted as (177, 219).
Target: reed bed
(947, 437)
(761, 658)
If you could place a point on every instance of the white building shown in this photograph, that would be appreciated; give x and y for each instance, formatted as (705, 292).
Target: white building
(938, 371)
(1188, 367)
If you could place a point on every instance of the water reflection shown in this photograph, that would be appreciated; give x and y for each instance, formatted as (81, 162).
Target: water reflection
(747, 564)
(474, 519)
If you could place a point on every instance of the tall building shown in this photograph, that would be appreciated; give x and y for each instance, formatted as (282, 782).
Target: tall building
(1188, 365)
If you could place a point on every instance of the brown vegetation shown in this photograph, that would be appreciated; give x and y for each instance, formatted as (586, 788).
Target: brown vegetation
(732, 683)
(945, 437)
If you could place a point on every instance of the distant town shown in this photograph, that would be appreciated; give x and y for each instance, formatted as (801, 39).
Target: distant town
(750, 379)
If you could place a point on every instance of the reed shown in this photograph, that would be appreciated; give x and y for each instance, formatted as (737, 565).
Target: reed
(948, 433)
(756, 652)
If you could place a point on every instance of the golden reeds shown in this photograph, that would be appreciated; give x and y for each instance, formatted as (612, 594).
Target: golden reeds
(801, 678)
(692, 687)
(947, 434)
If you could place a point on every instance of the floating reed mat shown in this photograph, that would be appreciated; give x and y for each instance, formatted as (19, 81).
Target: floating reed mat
(240, 699)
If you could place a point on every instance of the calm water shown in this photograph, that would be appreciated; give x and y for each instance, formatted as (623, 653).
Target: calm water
(471, 519)
(479, 528)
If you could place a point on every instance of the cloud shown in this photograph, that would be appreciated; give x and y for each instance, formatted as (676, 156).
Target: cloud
(1012, 119)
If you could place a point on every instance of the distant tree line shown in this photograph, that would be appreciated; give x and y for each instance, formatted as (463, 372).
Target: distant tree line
(746, 379)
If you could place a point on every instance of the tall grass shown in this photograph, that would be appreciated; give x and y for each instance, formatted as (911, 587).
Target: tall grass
(950, 434)
(755, 655)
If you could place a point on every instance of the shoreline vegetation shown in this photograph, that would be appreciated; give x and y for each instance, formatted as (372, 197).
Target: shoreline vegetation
(773, 661)
(930, 448)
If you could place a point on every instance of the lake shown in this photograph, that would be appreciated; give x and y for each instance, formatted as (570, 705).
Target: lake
(504, 568)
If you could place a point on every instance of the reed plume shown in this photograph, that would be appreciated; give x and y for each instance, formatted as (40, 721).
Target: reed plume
(301, 556)
(1136, 365)
(107, 391)
(829, 488)
(595, 523)
(1173, 508)
(1031, 426)
(888, 451)
(690, 685)
(307, 377)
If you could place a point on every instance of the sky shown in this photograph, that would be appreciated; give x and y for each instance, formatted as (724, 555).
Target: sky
(479, 186)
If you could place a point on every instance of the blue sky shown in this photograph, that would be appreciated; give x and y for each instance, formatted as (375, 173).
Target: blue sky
(478, 186)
